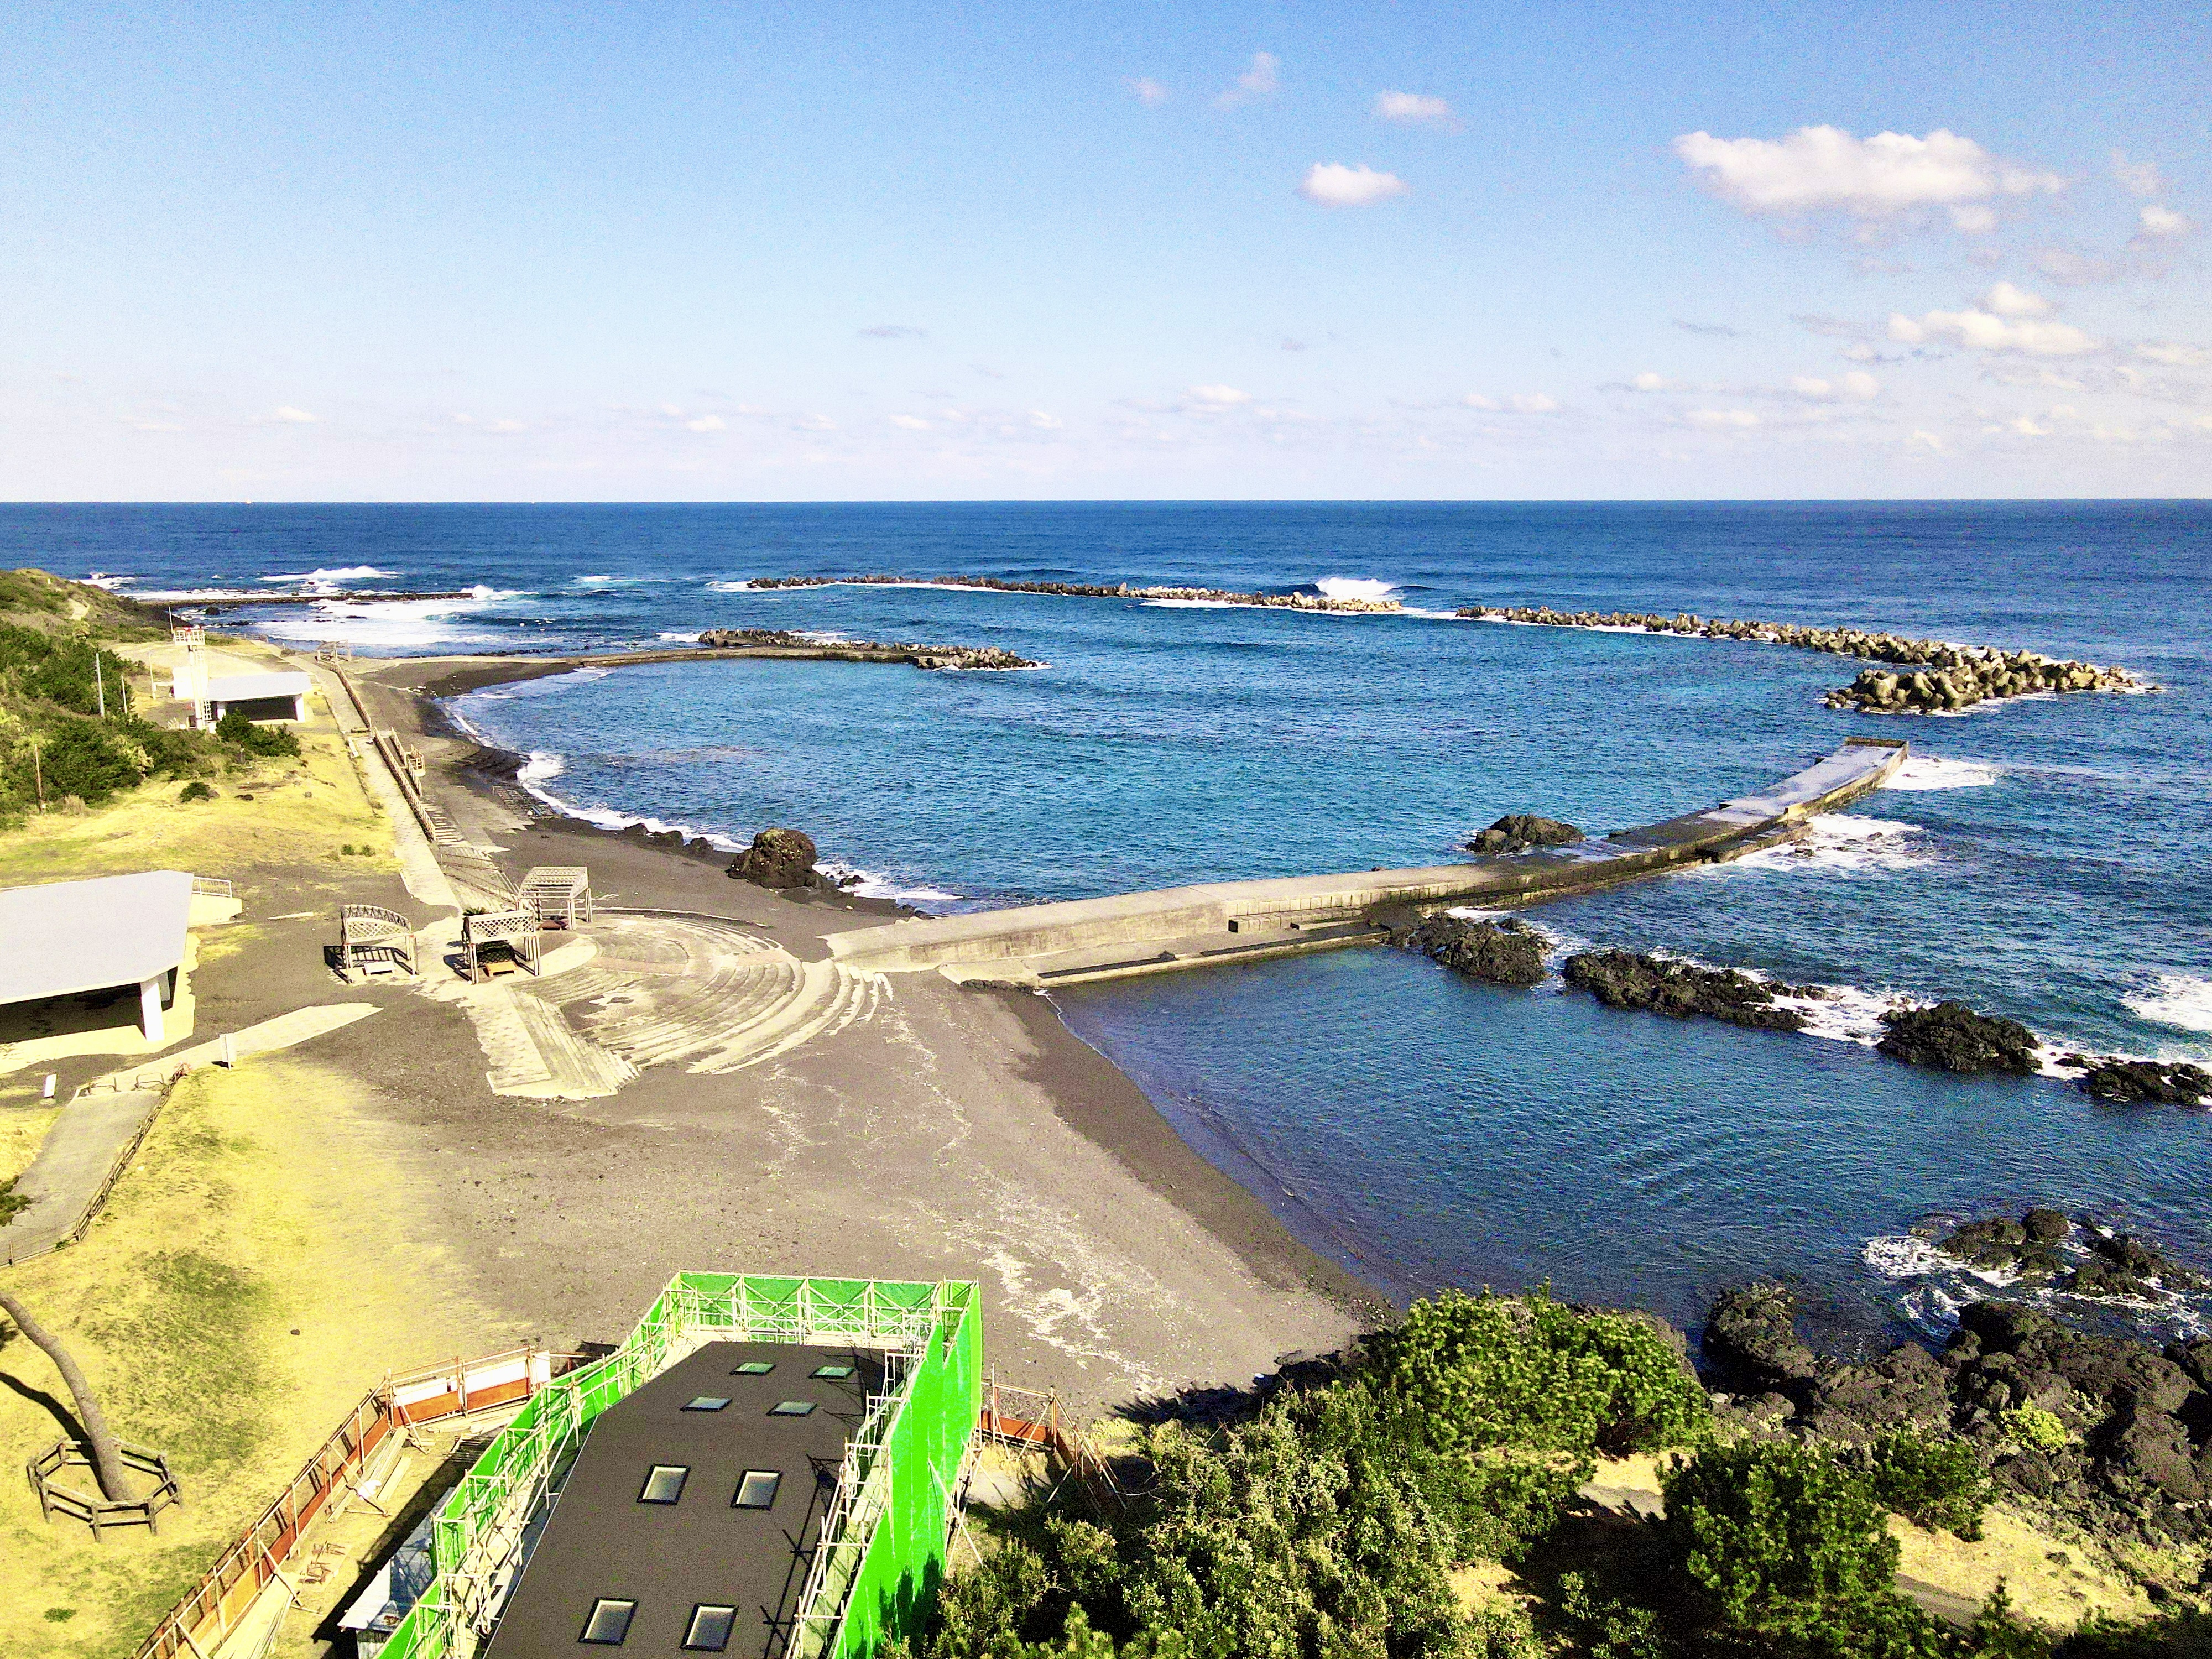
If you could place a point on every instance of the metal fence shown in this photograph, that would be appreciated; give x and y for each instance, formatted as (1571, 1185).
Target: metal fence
(882, 1548)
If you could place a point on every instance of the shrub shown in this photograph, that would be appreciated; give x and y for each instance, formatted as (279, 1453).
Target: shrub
(195, 791)
(981, 1613)
(1787, 1545)
(1322, 1527)
(267, 741)
(1530, 1373)
(1933, 1480)
(2031, 1427)
(75, 757)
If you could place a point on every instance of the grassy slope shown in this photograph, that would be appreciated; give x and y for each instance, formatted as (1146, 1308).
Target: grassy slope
(258, 1208)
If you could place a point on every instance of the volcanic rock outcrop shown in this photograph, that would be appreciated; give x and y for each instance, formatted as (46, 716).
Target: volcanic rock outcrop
(1508, 954)
(1941, 678)
(1520, 832)
(1950, 1036)
(2154, 1082)
(1622, 979)
(780, 859)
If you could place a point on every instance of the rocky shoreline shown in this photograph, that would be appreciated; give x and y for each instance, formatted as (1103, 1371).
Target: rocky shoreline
(1942, 677)
(1092, 590)
(1682, 990)
(922, 656)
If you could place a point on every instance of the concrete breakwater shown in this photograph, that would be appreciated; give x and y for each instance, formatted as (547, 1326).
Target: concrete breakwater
(1085, 940)
(922, 656)
(1942, 677)
(1091, 590)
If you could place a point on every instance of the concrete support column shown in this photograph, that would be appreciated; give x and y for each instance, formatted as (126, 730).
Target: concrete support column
(149, 1007)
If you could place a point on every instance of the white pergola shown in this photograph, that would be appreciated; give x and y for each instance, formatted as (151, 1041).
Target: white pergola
(68, 938)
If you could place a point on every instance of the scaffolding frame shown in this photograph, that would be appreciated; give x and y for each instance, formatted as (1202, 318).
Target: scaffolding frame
(561, 894)
(515, 929)
(932, 1338)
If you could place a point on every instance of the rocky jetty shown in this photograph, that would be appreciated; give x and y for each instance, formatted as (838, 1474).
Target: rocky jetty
(1942, 677)
(1522, 832)
(2151, 1082)
(1508, 954)
(1622, 979)
(2106, 1433)
(922, 656)
(1950, 1036)
(2119, 1265)
(1092, 590)
(781, 859)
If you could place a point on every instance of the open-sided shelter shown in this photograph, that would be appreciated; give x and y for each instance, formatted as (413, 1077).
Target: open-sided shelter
(113, 933)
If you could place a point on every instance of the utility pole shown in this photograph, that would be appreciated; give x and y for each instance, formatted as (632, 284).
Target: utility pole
(99, 683)
(37, 777)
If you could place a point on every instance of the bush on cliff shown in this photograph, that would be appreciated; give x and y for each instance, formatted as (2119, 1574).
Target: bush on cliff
(264, 742)
(1787, 1547)
(1932, 1481)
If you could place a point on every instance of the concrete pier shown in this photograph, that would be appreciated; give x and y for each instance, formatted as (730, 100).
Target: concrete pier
(1180, 927)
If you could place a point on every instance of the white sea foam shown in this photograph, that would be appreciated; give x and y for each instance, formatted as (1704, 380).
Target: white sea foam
(1843, 844)
(866, 883)
(1354, 588)
(392, 624)
(692, 638)
(103, 580)
(1844, 1013)
(1901, 1255)
(732, 588)
(349, 572)
(1434, 616)
(542, 767)
(1922, 772)
(2178, 999)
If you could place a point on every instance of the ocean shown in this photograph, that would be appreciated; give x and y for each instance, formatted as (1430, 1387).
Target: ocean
(2042, 859)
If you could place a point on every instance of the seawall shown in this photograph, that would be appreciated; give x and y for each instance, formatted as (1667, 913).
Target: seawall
(1179, 927)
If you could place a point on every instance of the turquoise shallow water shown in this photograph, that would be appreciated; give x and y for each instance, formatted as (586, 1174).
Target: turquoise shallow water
(1426, 1130)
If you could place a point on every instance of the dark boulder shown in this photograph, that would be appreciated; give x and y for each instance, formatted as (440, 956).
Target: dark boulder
(1522, 832)
(1752, 1333)
(1903, 1388)
(1951, 1037)
(2125, 1267)
(2151, 1082)
(2028, 1246)
(777, 859)
(1509, 955)
(2150, 1449)
(1621, 978)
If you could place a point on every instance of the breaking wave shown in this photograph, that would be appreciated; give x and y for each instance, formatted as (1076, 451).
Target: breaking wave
(1922, 772)
(2177, 999)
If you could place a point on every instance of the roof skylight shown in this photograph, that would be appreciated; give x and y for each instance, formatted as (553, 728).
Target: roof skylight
(609, 1624)
(665, 1485)
(792, 1408)
(707, 1402)
(710, 1628)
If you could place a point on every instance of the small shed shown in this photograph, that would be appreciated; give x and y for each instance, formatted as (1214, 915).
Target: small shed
(561, 894)
(113, 933)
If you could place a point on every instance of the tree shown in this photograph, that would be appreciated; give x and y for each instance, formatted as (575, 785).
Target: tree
(106, 1455)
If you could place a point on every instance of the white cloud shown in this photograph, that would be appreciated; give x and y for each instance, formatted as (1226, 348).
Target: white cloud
(2136, 178)
(1043, 422)
(1648, 381)
(1332, 183)
(1216, 396)
(1818, 169)
(1721, 420)
(910, 423)
(1930, 439)
(2027, 426)
(1476, 400)
(1147, 90)
(505, 426)
(2174, 354)
(815, 423)
(1256, 82)
(1807, 386)
(1534, 403)
(2007, 301)
(1856, 386)
(706, 424)
(1985, 330)
(1413, 108)
(2158, 221)
(1861, 385)
(293, 416)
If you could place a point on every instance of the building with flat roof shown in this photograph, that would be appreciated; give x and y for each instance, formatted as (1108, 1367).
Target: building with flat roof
(84, 937)
(768, 1466)
(688, 1520)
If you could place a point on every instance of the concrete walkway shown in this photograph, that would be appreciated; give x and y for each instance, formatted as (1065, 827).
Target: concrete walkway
(1178, 928)
(95, 1135)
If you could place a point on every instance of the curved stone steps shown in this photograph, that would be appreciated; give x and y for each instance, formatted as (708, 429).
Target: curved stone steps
(727, 1006)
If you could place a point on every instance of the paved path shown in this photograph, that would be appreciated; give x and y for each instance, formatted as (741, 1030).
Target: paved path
(97, 1132)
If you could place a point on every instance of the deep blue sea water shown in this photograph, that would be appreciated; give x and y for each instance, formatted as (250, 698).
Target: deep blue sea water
(1428, 1131)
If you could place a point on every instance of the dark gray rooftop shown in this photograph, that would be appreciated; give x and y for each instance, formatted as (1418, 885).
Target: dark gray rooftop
(672, 1559)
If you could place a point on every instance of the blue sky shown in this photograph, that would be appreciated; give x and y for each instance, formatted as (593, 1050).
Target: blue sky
(729, 251)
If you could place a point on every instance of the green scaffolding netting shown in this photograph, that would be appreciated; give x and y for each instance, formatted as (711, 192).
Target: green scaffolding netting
(884, 1552)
